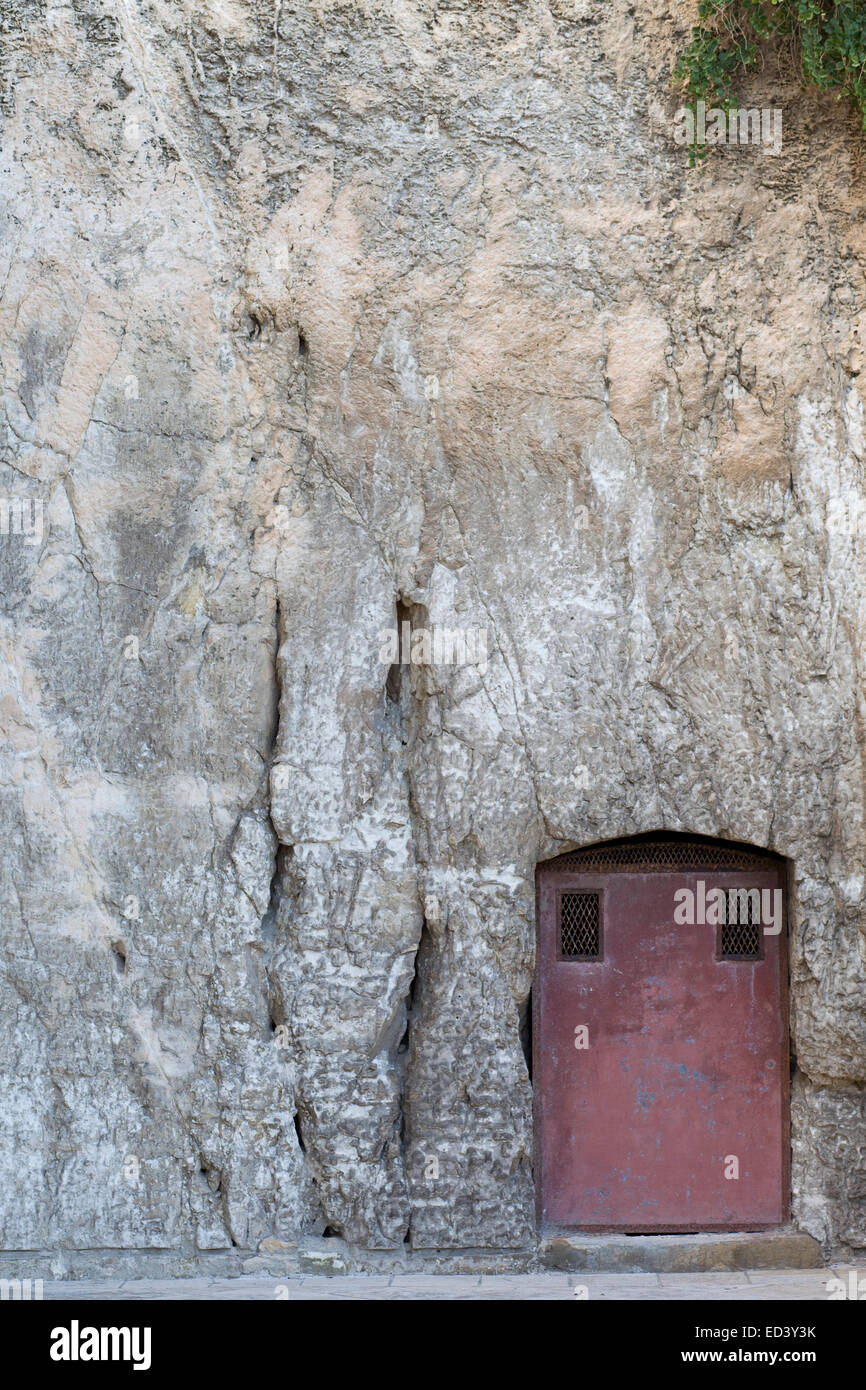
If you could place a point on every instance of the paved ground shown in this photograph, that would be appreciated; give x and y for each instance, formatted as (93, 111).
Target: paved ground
(787, 1284)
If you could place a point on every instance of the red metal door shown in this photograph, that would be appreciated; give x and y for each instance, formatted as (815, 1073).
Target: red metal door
(660, 1047)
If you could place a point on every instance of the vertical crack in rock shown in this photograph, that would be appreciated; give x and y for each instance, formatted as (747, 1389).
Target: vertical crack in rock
(269, 918)
(406, 1051)
(394, 681)
(273, 936)
(411, 1003)
(401, 1055)
(525, 1015)
(301, 1145)
(279, 634)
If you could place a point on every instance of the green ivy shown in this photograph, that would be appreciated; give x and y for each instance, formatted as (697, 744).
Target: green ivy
(825, 39)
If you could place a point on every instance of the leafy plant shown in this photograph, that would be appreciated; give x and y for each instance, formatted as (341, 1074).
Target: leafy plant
(823, 40)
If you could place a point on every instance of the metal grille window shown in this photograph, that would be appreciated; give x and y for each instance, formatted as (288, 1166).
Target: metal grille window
(741, 932)
(579, 926)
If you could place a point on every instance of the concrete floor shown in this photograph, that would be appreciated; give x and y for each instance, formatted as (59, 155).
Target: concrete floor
(795, 1285)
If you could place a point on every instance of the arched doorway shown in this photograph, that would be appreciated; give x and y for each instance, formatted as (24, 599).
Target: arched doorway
(660, 1040)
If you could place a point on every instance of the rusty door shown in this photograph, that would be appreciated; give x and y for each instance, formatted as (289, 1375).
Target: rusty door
(660, 1045)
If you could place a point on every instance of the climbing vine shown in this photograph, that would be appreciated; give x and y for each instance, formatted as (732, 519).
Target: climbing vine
(823, 40)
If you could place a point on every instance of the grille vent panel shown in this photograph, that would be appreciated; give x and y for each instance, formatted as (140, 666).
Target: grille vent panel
(659, 856)
(740, 936)
(579, 926)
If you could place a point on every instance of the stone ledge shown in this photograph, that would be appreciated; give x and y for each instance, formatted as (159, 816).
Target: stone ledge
(680, 1254)
(556, 1250)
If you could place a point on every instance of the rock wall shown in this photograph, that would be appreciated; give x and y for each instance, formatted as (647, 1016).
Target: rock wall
(322, 318)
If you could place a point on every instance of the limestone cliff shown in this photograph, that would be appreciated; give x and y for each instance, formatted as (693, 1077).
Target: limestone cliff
(322, 317)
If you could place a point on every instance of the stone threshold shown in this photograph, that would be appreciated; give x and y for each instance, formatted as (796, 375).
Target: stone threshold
(781, 1248)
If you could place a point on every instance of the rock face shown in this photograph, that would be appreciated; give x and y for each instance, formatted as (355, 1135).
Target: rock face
(318, 319)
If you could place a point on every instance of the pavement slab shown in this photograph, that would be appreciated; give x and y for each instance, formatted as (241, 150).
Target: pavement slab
(729, 1286)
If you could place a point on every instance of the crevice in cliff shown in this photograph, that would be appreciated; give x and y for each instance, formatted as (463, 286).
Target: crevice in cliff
(401, 1056)
(412, 997)
(415, 982)
(394, 680)
(279, 891)
(413, 643)
(269, 918)
(525, 1029)
(211, 1174)
(411, 1006)
(279, 634)
(297, 1123)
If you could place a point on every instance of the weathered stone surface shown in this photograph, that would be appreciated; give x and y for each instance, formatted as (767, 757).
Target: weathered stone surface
(316, 319)
(829, 1159)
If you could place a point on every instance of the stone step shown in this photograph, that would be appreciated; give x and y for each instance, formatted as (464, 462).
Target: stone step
(680, 1254)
